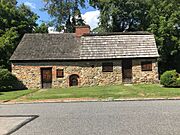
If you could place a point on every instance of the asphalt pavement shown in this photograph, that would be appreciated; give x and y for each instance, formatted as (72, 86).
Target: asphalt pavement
(98, 118)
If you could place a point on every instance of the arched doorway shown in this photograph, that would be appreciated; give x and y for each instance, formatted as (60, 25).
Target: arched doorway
(73, 80)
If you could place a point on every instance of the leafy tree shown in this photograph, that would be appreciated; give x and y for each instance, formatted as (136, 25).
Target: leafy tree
(27, 20)
(65, 12)
(161, 17)
(43, 28)
(15, 22)
(164, 22)
(121, 15)
(12, 2)
(7, 45)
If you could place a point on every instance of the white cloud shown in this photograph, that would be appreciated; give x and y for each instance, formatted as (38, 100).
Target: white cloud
(91, 18)
(30, 4)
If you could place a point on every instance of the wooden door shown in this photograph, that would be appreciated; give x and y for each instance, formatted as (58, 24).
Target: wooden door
(127, 71)
(46, 77)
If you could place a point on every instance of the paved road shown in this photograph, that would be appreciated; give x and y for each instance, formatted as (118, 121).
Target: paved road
(99, 118)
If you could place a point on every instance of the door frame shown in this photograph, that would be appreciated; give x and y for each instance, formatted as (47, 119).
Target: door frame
(127, 67)
(41, 71)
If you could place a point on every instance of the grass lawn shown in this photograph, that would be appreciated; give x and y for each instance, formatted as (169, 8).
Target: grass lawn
(102, 92)
(10, 95)
(99, 92)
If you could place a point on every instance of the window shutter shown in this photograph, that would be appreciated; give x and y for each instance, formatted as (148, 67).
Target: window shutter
(146, 66)
(59, 73)
(107, 67)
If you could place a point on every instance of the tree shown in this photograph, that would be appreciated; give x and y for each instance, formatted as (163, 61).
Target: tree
(164, 22)
(15, 22)
(121, 15)
(43, 28)
(12, 2)
(27, 20)
(7, 45)
(65, 13)
(161, 17)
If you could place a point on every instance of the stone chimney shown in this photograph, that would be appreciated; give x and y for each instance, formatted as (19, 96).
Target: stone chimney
(81, 30)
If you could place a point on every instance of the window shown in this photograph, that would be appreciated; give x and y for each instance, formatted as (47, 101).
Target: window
(59, 73)
(107, 67)
(146, 66)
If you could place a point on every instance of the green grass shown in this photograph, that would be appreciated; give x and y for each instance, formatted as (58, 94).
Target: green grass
(10, 95)
(102, 92)
(99, 92)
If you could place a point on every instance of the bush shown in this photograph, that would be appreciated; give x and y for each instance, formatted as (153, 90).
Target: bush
(170, 79)
(178, 82)
(8, 81)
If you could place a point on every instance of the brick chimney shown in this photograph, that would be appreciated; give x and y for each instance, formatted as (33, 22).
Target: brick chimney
(81, 30)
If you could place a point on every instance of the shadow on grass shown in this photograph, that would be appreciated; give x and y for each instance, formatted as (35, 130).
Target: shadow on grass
(11, 84)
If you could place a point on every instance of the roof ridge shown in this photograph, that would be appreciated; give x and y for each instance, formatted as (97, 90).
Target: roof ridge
(49, 34)
(119, 33)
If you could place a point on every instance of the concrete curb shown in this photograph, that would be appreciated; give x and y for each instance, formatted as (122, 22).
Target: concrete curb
(86, 100)
(14, 129)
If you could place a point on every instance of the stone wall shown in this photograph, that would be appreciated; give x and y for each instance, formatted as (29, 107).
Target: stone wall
(29, 75)
(90, 73)
(140, 76)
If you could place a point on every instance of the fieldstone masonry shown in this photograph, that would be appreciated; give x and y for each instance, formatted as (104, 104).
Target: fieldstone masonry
(90, 72)
(144, 76)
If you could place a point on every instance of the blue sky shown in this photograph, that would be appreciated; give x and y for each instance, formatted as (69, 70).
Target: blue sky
(89, 14)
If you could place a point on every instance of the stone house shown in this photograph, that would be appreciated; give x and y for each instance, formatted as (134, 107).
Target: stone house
(85, 59)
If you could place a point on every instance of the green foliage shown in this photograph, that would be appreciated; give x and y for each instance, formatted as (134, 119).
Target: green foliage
(27, 20)
(178, 82)
(7, 41)
(15, 22)
(8, 81)
(170, 79)
(43, 28)
(98, 30)
(161, 17)
(65, 12)
(164, 22)
(12, 2)
(121, 15)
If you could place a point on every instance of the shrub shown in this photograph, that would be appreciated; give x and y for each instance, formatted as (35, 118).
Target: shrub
(178, 82)
(170, 79)
(9, 81)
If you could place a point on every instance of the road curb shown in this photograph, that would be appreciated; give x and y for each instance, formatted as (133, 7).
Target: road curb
(14, 129)
(87, 100)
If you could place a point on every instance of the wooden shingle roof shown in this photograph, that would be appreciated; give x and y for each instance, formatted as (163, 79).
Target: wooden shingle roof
(47, 47)
(68, 47)
(118, 46)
